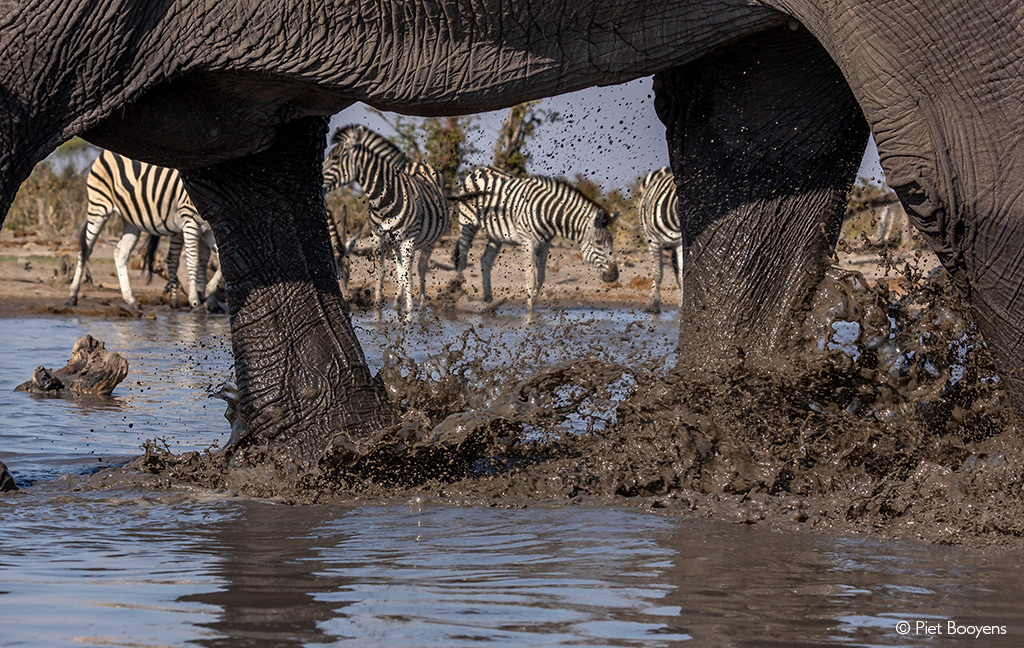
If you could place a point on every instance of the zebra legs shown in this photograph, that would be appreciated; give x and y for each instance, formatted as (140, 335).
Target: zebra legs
(679, 267)
(303, 382)
(86, 240)
(654, 303)
(404, 251)
(538, 263)
(121, 256)
(486, 264)
(422, 267)
(383, 248)
(174, 246)
(192, 264)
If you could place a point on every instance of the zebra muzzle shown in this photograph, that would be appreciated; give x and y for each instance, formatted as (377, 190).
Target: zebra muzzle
(611, 273)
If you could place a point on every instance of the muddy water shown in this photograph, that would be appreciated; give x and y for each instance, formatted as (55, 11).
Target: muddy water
(137, 564)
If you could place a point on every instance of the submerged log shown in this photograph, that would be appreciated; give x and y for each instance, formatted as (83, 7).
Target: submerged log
(91, 370)
(6, 479)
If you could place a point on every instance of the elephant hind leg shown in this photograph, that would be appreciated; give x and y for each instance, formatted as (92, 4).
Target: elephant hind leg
(765, 139)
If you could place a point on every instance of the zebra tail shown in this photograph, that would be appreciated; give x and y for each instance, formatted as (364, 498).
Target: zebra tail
(83, 241)
(149, 255)
(467, 196)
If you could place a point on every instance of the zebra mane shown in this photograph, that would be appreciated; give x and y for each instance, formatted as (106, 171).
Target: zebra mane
(373, 140)
(574, 189)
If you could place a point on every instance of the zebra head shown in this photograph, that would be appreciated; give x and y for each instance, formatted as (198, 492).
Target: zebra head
(355, 147)
(597, 245)
(339, 166)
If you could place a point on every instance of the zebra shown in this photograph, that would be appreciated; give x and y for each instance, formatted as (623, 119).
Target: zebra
(149, 199)
(408, 209)
(658, 213)
(175, 245)
(530, 212)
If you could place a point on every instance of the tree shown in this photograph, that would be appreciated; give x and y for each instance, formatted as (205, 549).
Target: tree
(446, 147)
(521, 123)
(53, 197)
(439, 142)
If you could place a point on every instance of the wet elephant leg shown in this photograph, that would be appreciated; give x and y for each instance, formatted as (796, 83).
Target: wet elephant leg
(301, 373)
(765, 139)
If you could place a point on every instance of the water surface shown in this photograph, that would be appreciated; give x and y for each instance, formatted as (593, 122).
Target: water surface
(141, 567)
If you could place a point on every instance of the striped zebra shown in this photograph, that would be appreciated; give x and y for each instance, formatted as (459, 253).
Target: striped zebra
(408, 210)
(149, 199)
(658, 212)
(530, 212)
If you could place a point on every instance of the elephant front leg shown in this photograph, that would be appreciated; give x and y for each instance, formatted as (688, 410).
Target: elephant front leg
(302, 376)
(765, 139)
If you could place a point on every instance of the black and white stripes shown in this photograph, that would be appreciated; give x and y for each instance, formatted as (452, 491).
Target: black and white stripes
(658, 213)
(530, 212)
(408, 210)
(149, 199)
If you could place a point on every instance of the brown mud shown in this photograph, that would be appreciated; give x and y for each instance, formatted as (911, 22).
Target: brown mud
(891, 422)
(883, 416)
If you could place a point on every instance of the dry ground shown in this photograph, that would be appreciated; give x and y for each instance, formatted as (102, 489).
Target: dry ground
(35, 275)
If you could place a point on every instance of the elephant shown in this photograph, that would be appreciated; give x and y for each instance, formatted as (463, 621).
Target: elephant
(767, 106)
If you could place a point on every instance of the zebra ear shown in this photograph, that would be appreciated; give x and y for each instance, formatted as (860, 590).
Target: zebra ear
(603, 219)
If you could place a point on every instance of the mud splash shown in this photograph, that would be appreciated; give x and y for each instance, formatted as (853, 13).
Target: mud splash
(889, 418)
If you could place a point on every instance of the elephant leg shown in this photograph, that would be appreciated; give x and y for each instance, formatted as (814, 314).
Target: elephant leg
(768, 138)
(302, 376)
(121, 256)
(486, 265)
(654, 303)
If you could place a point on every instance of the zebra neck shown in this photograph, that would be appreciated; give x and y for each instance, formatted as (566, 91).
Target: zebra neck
(385, 188)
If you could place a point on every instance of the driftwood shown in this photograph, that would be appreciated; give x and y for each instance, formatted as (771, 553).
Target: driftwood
(6, 479)
(91, 370)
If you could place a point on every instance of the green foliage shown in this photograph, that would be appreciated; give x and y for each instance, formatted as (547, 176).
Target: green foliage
(52, 201)
(440, 142)
(510, 152)
(446, 147)
(348, 211)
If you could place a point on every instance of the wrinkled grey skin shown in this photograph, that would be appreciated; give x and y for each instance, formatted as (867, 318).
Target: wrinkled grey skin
(767, 106)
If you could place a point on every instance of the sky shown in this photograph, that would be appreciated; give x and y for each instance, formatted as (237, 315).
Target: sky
(610, 135)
